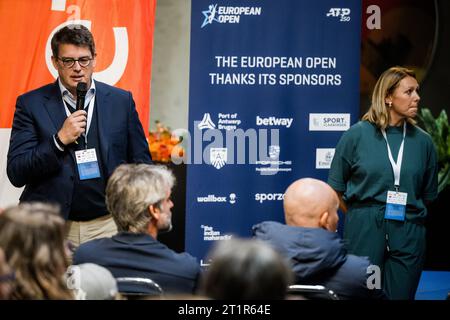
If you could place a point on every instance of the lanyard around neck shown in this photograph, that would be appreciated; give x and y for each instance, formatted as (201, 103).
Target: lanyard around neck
(396, 166)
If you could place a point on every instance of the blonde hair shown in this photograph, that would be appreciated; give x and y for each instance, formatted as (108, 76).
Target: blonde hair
(131, 189)
(32, 236)
(389, 80)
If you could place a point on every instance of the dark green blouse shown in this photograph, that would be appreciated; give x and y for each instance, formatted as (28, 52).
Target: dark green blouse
(362, 171)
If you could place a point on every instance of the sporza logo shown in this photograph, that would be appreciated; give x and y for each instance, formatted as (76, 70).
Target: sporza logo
(343, 13)
(261, 197)
(227, 14)
(329, 121)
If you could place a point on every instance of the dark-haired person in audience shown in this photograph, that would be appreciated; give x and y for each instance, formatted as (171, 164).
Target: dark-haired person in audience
(32, 236)
(310, 241)
(246, 270)
(138, 197)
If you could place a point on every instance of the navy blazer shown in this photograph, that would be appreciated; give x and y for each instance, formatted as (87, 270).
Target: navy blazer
(140, 255)
(34, 160)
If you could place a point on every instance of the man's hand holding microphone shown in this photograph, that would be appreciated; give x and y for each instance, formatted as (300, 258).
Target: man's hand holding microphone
(75, 125)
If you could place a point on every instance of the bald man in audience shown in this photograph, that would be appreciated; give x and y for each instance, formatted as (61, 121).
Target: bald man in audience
(309, 240)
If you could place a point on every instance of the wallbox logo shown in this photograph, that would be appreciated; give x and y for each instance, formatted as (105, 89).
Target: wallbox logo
(329, 121)
(227, 14)
(212, 198)
(261, 197)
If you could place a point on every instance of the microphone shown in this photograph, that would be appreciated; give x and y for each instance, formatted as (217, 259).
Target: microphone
(81, 94)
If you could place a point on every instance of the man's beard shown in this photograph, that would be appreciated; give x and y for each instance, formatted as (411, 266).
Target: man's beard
(166, 229)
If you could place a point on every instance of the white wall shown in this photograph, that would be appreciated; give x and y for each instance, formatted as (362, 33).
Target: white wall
(170, 67)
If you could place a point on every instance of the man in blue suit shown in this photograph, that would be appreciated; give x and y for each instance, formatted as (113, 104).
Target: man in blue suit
(138, 196)
(66, 156)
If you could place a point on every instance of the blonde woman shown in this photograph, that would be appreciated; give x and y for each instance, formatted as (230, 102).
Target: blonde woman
(32, 237)
(385, 170)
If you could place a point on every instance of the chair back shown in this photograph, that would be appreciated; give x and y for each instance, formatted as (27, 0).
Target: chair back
(313, 292)
(134, 288)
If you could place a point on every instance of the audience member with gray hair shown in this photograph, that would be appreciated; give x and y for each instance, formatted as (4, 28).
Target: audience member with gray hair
(245, 270)
(138, 197)
(32, 236)
(136, 194)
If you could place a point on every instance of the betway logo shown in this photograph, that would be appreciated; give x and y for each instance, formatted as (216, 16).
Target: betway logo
(211, 198)
(273, 121)
(261, 197)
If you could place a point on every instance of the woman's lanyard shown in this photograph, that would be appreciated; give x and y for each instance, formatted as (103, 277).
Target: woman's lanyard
(396, 166)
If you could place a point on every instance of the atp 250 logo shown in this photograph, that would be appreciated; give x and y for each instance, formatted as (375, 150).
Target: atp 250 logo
(342, 13)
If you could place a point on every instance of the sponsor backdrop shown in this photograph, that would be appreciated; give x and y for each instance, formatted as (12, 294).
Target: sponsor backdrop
(122, 29)
(273, 84)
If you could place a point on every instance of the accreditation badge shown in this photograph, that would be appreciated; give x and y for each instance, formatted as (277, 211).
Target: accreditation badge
(396, 205)
(87, 164)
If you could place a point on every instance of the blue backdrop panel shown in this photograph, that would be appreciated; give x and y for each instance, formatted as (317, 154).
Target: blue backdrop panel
(257, 66)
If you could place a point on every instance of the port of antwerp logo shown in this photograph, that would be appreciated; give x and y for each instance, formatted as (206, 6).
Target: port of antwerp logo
(210, 15)
(206, 122)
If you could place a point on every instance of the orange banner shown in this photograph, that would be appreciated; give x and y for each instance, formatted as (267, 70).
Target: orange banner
(123, 33)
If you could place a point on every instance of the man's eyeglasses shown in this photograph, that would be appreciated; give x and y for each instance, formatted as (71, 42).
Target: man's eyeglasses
(70, 62)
